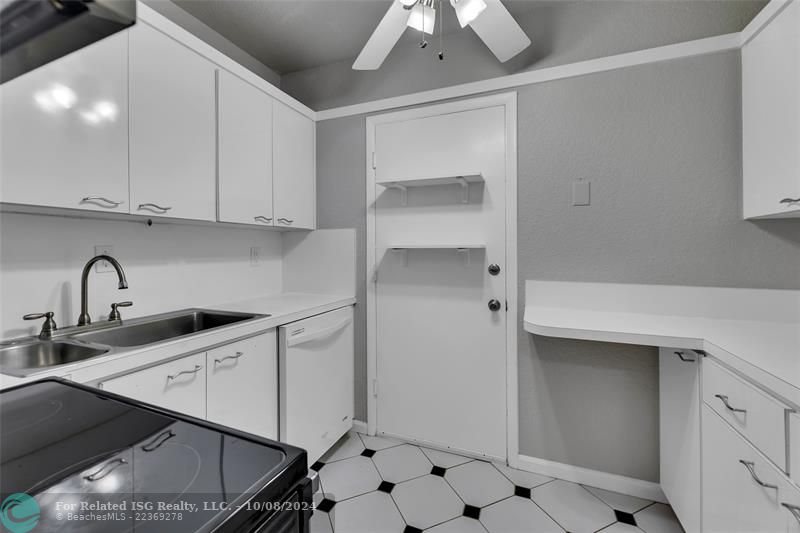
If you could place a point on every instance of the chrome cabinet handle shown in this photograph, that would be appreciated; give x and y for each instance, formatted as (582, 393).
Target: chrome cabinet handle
(684, 358)
(261, 218)
(237, 356)
(728, 406)
(790, 201)
(285, 221)
(794, 509)
(100, 474)
(751, 467)
(154, 207)
(158, 441)
(197, 368)
(101, 199)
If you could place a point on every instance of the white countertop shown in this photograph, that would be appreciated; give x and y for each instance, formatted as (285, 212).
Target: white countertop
(282, 308)
(756, 332)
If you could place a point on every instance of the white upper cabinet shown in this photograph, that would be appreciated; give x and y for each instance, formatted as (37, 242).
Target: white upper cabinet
(771, 118)
(173, 128)
(245, 152)
(294, 168)
(65, 131)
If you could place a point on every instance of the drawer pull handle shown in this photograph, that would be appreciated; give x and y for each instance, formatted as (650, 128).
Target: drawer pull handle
(154, 207)
(111, 466)
(237, 356)
(197, 368)
(286, 221)
(751, 466)
(790, 201)
(101, 199)
(728, 406)
(685, 359)
(261, 218)
(158, 441)
(794, 509)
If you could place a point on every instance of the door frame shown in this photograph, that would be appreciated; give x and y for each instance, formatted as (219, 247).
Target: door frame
(509, 101)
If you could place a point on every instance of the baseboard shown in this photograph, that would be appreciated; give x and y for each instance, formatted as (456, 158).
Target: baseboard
(594, 478)
(359, 426)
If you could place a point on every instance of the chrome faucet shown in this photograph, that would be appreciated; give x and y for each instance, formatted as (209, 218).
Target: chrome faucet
(85, 319)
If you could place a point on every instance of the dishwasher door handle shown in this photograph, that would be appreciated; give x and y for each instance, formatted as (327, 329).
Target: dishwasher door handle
(318, 334)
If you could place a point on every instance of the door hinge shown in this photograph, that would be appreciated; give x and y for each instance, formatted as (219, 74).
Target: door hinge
(374, 164)
(375, 387)
(375, 275)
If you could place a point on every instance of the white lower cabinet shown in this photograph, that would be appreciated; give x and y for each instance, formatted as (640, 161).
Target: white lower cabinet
(742, 491)
(242, 385)
(179, 385)
(679, 403)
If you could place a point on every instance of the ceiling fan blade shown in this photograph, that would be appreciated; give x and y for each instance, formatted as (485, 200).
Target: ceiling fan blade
(499, 31)
(383, 39)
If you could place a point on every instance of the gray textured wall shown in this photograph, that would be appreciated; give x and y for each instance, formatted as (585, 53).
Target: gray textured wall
(661, 145)
(562, 31)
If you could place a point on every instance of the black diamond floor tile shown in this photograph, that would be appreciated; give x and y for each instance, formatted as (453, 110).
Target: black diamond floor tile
(625, 518)
(386, 487)
(438, 471)
(522, 491)
(317, 466)
(412, 529)
(326, 505)
(367, 452)
(471, 511)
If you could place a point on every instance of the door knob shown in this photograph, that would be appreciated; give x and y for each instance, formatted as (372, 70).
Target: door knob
(494, 269)
(494, 305)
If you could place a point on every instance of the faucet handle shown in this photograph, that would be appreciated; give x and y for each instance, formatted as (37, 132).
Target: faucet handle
(49, 325)
(115, 315)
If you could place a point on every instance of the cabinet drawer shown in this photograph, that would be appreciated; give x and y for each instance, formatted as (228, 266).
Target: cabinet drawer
(242, 385)
(179, 385)
(756, 415)
(742, 490)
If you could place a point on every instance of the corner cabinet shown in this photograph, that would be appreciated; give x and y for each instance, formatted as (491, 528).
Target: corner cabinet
(293, 168)
(172, 128)
(65, 131)
(771, 118)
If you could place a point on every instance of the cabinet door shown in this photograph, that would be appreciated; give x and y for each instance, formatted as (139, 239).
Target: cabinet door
(733, 500)
(771, 118)
(173, 128)
(179, 385)
(65, 131)
(243, 385)
(294, 168)
(245, 152)
(679, 391)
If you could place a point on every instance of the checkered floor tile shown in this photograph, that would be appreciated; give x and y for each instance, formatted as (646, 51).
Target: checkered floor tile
(377, 485)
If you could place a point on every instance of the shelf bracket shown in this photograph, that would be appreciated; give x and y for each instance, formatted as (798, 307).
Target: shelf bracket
(403, 193)
(465, 253)
(403, 251)
(464, 189)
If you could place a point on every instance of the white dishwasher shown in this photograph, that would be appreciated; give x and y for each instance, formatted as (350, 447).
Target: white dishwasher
(315, 370)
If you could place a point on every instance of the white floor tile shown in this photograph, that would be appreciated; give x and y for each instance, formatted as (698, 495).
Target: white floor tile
(619, 527)
(522, 478)
(517, 515)
(621, 502)
(379, 443)
(349, 477)
(573, 507)
(401, 463)
(370, 513)
(445, 459)
(479, 483)
(321, 523)
(458, 525)
(427, 501)
(348, 446)
(658, 518)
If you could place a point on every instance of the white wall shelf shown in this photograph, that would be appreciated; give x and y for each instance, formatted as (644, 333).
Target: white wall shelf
(404, 184)
(464, 249)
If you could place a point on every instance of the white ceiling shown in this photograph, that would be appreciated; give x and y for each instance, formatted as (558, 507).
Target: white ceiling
(292, 35)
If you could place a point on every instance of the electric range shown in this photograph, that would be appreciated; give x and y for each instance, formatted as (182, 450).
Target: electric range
(74, 458)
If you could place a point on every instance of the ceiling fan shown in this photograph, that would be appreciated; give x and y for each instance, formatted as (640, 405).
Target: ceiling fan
(488, 18)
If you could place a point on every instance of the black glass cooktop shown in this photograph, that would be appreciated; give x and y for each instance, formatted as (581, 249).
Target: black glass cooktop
(96, 462)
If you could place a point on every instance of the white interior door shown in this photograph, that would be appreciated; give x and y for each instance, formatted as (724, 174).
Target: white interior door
(440, 350)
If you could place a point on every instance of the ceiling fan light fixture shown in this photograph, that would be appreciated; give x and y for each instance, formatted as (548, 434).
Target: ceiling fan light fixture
(423, 16)
(408, 4)
(467, 10)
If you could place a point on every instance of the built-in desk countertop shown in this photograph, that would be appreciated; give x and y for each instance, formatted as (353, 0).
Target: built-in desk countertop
(754, 331)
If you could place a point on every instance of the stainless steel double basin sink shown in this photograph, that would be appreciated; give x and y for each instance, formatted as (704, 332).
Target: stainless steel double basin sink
(32, 355)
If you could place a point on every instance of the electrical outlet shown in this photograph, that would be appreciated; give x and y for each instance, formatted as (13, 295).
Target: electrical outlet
(255, 256)
(103, 266)
(581, 192)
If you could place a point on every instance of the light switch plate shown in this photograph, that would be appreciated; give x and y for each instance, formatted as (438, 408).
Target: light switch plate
(581, 192)
(103, 266)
